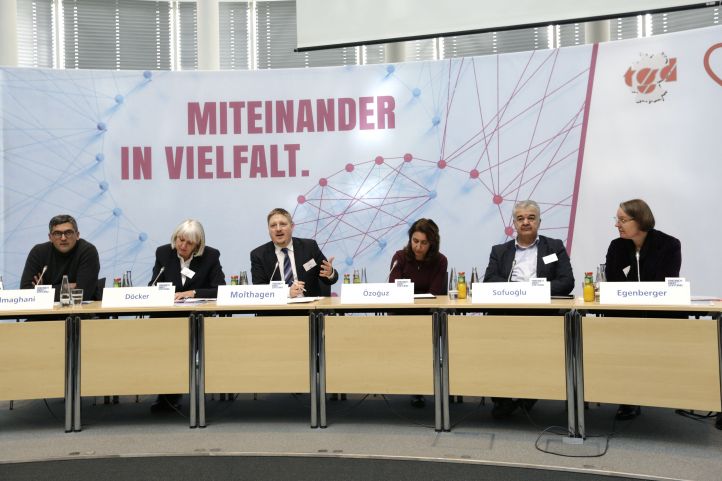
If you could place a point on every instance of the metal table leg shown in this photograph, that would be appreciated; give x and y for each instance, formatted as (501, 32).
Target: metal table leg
(438, 395)
(313, 366)
(444, 356)
(320, 323)
(201, 369)
(69, 373)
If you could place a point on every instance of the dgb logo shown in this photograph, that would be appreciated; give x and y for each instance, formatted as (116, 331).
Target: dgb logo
(647, 76)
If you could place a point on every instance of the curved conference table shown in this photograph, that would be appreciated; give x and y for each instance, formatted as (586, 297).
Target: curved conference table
(566, 350)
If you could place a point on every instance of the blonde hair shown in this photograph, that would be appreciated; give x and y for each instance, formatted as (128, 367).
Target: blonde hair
(191, 230)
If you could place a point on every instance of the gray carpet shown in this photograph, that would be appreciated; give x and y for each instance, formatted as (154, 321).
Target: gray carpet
(658, 445)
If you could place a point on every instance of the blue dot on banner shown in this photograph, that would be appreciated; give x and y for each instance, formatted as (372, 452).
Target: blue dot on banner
(103, 186)
(382, 243)
(349, 261)
(416, 92)
(436, 120)
(147, 74)
(142, 237)
(390, 69)
(119, 99)
(99, 157)
(432, 194)
(102, 127)
(117, 212)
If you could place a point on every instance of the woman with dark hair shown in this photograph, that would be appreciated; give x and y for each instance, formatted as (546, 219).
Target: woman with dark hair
(640, 254)
(421, 260)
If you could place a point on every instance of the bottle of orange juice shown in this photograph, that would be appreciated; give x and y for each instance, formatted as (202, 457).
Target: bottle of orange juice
(461, 285)
(588, 287)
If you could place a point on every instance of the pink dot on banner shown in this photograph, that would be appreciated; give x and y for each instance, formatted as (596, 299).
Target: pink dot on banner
(304, 173)
(408, 157)
(509, 230)
(497, 199)
(474, 174)
(323, 182)
(301, 199)
(441, 163)
(379, 160)
(349, 167)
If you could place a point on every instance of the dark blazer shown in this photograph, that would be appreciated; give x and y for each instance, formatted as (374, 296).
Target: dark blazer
(209, 273)
(559, 273)
(659, 257)
(263, 262)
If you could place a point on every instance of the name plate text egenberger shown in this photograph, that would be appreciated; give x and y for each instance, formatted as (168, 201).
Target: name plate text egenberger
(247, 295)
(673, 291)
(161, 295)
(400, 292)
(25, 299)
(534, 291)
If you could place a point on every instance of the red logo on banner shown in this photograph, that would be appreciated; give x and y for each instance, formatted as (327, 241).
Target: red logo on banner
(708, 67)
(647, 76)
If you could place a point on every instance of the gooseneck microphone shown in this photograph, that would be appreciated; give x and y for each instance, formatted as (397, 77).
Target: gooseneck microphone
(513, 265)
(42, 273)
(272, 273)
(158, 276)
(396, 261)
(639, 274)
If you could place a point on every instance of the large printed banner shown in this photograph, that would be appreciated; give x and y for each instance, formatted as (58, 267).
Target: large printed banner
(358, 153)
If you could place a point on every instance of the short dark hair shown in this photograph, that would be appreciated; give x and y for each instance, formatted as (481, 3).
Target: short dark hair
(62, 219)
(279, 210)
(431, 230)
(638, 210)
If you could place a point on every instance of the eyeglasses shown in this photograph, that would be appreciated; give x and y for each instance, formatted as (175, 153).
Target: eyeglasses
(621, 220)
(521, 219)
(58, 234)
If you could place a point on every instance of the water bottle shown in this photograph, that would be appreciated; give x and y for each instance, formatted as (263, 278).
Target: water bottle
(474, 278)
(65, 292)
(601, 277)
(243, 279)
(363, 276)
(346, 279)
(588, 287)
(453, 286)
(2, 285)
(130, 279)
(124, 281)
(356, 277)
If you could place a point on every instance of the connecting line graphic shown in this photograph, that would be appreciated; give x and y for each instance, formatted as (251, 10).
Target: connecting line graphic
(513, 145)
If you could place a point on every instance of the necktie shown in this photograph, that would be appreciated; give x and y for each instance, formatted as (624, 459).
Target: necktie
(287, 270)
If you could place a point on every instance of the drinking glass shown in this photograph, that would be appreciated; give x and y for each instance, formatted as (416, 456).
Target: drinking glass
(76, 297)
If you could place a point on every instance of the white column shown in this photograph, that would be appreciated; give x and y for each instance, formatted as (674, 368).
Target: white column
(208, 43)
(596, 32)
(8, 33)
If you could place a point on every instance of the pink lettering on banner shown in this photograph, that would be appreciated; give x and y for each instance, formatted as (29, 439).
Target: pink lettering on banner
(142, 163)
(258, 162)
(365, 112)
(240, 157)
(305, 116)
(346, 114)
(325, 115)
(202, 122)
(385, 109)
(254, 117)
(204, 162)
(284, 116)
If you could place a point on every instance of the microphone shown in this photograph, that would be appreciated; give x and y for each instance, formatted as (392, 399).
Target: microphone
(272, 273)
(42, 273)
(513, 265)
(396, 261)
(156, 277)
(639, 274)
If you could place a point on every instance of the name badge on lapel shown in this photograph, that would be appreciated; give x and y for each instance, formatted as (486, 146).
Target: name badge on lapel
(310, 264)
(188, 273)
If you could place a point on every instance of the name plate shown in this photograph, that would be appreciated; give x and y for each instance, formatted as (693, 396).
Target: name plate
(673, 291)
(534, 291)
(265, 294)
(154, 296)
(16, 299)
(400, 292)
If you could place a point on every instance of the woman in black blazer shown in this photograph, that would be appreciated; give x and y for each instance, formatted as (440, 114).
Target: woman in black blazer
(193, 267)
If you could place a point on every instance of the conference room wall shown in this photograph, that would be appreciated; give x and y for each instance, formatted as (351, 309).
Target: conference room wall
(127, 220)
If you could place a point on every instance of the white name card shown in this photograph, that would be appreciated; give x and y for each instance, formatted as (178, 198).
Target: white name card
(534, 291)
(153, 296)
(673, 291)
(17, 299)
(400, 292)
(265, 294)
